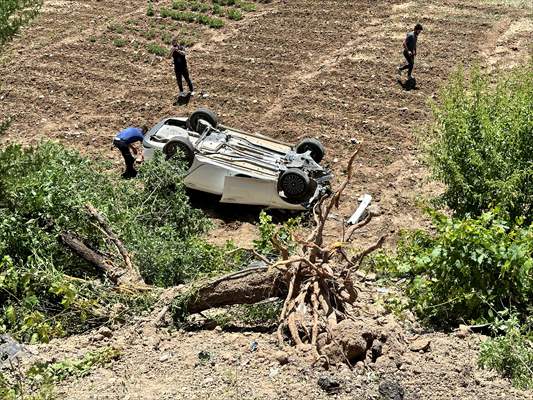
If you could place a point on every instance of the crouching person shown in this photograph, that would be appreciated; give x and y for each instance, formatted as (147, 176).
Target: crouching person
(124, 141)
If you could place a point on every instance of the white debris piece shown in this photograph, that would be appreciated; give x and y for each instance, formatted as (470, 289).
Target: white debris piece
(356, 216)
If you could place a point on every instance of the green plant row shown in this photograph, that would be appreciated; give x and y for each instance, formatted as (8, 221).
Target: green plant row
(188, 16)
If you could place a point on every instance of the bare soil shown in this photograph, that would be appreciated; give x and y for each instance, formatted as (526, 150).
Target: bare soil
(291, 69)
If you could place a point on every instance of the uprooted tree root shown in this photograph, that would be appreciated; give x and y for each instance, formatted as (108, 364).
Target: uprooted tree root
(315, 283)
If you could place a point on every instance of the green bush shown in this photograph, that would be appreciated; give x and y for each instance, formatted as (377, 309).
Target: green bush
(267, 229)
(234, 14)
(150, 10)
(467, 270)
(14, 14)
(157, 49)
(47, 290)
(481, 145)
(119, 42)
(511, 354)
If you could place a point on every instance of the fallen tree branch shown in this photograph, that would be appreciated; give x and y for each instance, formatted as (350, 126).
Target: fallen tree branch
(131, 272)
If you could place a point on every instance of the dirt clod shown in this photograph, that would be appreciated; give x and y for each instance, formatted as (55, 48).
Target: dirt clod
(420, 345)
(391, 390)
(329, 385)
(281, 357)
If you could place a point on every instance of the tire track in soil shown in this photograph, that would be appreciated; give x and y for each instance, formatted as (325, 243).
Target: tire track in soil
(294, 69)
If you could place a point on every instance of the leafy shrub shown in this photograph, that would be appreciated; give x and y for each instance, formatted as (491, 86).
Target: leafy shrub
(234, 14)
(14, 14)
(511, 354)
(156, 49)
(267, 230)
(38, 382)
(467, 270)
(180, 5)
(217, 9)
(150, 10)
(246, 6)
(481, 144)
(43, 193)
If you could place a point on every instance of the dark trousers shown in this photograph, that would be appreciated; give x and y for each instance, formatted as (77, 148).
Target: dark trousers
(183, 72)
(410, 63)
(129, 160)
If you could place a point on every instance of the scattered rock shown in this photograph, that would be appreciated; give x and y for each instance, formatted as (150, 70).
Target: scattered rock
(9, 348)
(329, 385)
(281, 357)
(351, 341)
(273, 372)
(374, 210)
(376, 350)
(462, 332)
(420, 345)
(390, 390)
(164, 357)
(105, 332)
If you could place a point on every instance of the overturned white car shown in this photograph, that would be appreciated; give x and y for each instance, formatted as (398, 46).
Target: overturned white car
(243, 168)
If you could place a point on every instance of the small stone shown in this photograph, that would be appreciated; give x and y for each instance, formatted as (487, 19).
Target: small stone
(420, 345)
(462, 332)
(390, 390)
(105, 332)
(164, 357)
(329, 385)
(281, 357)
(218, 328)
(273, 372)
(374, 210)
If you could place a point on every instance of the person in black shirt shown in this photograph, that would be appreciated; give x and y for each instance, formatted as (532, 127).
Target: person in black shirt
(409, 50)
(177, 52)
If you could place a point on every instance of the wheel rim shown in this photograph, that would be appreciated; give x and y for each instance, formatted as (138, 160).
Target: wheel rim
(293, 185)
(171, 149)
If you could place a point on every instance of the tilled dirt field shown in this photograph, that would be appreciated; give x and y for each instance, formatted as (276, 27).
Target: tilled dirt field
(291, 69)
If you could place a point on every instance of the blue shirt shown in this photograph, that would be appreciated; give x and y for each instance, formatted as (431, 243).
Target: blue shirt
(130, 135)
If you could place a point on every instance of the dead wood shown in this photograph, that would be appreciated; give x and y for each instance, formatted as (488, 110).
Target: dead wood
(93, 257)
(248, 288)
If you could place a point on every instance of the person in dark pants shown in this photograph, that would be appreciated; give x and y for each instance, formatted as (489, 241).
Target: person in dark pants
(177, 52)
(124, 141)
(409, 51)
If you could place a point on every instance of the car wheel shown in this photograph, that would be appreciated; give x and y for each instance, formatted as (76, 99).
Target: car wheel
(185, 147)
(202, 113)
(312, 145)
(295, 185)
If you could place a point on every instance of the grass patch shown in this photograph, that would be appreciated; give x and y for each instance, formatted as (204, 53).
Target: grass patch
(119, 42)
(157, 49)
(234, 14)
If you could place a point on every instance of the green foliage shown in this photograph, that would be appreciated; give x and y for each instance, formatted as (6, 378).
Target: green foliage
(43, 193)
(156, 49)
(481, 145)
(511, 354)
(38, 381)
(119, 42)
(59, 371)
(234, 14)
(267, 230)
(117, 28)
(189, 16)
(467, 270)
(150, 12)
(14, 14)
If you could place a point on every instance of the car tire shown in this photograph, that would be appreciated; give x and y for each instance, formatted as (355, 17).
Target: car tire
(202, 113)
(171, 148)
(314, 146)
(295, 185)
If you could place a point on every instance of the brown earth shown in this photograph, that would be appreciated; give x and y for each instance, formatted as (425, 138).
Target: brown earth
(292, 69)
